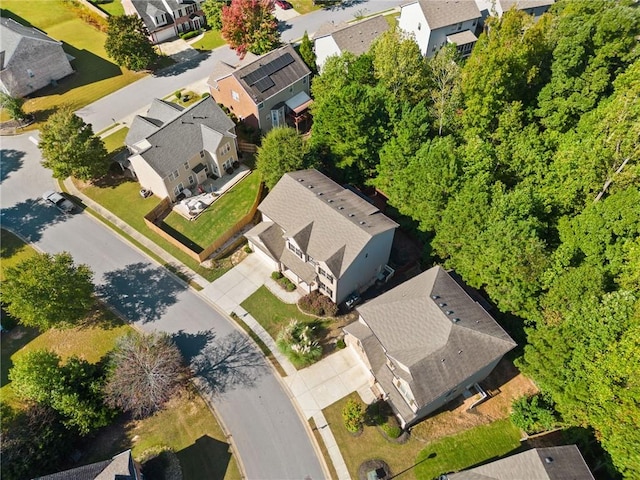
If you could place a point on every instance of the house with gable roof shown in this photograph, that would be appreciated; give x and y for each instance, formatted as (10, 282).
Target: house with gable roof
(500, 7)
(425, 342)
(172, 148)
(120, 467)
(29, 59)
(356, 38)
(166, 19)
(435, 23)
(267, 91)
(321, 235)
(550, 463)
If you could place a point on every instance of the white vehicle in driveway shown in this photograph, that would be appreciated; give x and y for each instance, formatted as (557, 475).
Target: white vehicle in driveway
(61, 203)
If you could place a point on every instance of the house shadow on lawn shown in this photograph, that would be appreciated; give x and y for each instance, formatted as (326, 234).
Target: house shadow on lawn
(140, 291)
(206, 458)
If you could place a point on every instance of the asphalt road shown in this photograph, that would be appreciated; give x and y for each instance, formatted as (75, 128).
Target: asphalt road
(267, 431)
(135, 97)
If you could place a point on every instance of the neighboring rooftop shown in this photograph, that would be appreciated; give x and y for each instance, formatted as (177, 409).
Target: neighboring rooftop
(12, 33)
(442, 13)
(330, 222)
(551, 463)
(431, 326)
(524, 4)
(356, 38)
(120, 467)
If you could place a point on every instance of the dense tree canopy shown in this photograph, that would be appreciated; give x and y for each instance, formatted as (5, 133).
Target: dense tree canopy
(70, 148)
(520, 166)
(307, 53)
(127, 42)
(47, 291)
(283, 150)
(250, 26)
(213, 12)
(12, 105)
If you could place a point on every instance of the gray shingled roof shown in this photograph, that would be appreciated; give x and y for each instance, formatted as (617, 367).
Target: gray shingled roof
(341, 223)
(440, 345)
(551, 463)
(12, 33)
(358, 37)
(159, 113)
(524, 4)
(281, 79)
(120, 467)
(148, 8)
(189, 132)
(462, 38)
(441, 13)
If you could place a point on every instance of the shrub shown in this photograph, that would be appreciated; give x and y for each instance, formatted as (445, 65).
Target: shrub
(318, 304)
(298, 342)
(353, 415)
(288, 285)
(340, 344)
(534, 414)
(392, 431)
(247, 249)
(191, 34)
(178, 94)
(205, 95)
(229, 170)
(276, 275)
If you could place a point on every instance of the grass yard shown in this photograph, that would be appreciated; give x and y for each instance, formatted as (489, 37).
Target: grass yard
(211, 39)
(112, 7)
(96, 75)
(115, 141)
(272, 313)
(223, 214)
(124, 201)
(304, 6)
(420, 460)
(392, 19)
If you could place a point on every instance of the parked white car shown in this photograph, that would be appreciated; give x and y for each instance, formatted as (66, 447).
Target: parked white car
(61, 203)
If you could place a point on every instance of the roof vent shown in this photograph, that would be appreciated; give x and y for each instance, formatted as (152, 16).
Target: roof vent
(309, 186)
(459, 352)
(352, 214)
(548, 459)
(362, 222)
(449, 312)
(442, 304)
(435, 297)
(320, 193)
(301, 179)
(330, 200)
(442, 360)
(455, 320)
(341, 208)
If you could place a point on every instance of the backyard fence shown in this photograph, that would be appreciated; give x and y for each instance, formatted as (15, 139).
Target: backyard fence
(247, 147)
(164, 208)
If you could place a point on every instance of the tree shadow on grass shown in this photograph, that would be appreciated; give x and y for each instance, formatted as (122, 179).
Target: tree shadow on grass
(206, 458)
(30, 218)
(140, 291)
(228, 363)
(11, 162)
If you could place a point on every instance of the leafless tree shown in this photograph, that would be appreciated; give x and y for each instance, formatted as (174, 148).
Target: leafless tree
(145, 372)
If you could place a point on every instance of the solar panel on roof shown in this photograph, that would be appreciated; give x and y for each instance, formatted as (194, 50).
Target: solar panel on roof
(254, 76)
(270, 68)
(264, 84)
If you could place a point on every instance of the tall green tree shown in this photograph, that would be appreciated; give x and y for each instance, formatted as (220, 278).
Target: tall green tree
(46, 291)
(307, 53)
(12, 105)
(250, 26)
(444, 73)
(213, 12)
(283, 150)
(70, 148)
(127, 42)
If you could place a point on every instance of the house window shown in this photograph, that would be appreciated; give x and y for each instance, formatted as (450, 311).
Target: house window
(260, 105)
(178, 188)
(202, 154)
(325, 289)
(191, 180)
(225, 149)
(186, 165)
(235, 95)
(291, 89)
(304, 80)
(459, 26)
(311, 260)
(295, 250)
(174, 175)
(419, 26)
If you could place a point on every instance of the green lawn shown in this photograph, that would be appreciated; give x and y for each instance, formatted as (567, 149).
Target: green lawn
(304, 6)
(223, 214)
(211, 39)
(125, 202)
(392, 19)
(96, 75)
(115, 141)
(272, 313)
(112, 7)
(420, 460)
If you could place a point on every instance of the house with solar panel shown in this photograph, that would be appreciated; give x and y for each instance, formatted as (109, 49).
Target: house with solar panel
(357, 38)
(426, 342)
(268, 91)
(436, 23)
(321, 235)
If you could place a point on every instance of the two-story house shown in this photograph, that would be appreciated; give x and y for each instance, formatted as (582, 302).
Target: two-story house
(435, 23)
(356, 38)
(173, 148)
(267, 91)
(425, 342)
(166, 19)
(29, 59)
(322, 236)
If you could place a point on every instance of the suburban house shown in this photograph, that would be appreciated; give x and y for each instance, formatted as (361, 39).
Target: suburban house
(29, 59)
(499, 7)
(173, 148)
(120, 467)
(550, 463)
(356, 38)
(166, 19)
(267, 91)
(435, 23)
(322, 236)
(425, 343)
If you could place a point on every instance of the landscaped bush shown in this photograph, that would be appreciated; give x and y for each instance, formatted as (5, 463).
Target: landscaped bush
(247, 249)
(283, 281)
(205, 95)
(178, 94)
(353, 415)
(298, 342)
(191, 34)
(391, 428)
(318, 304)
(340, 344)
(534, 414)
(276, 275)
